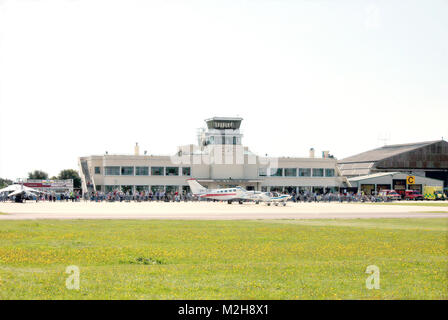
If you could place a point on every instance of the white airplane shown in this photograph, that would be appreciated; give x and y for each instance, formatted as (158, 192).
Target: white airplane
(237, 194)
(271, 197)
(20, 192)
(226, 194)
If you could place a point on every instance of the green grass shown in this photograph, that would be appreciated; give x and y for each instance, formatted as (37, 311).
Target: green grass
(417, 204)
(281, 259)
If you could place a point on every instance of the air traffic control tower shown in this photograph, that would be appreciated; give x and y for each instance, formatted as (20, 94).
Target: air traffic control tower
(221, 131)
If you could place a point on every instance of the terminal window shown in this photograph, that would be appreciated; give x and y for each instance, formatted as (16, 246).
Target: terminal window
(112, 171)
(262, 172)
(157, 171)
(276, 172)
(329, 172)
(172, 171)
(290, 172)
(127, 171)
(305, 172)
(186, 171)
(97, 170)
(141, 171)
(318, 172)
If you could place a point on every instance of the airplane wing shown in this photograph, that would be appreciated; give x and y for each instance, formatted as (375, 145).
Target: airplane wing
(29, 192)
(28, 189)
(16, 193)
(10, 188)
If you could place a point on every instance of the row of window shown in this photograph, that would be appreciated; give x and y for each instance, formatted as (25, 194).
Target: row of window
(226, 191)
(186, 171)
(292, 172)
(143, 171)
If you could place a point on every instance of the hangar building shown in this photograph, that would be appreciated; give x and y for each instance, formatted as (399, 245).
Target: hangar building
(423, 159)
(218, 160)
(373, 183)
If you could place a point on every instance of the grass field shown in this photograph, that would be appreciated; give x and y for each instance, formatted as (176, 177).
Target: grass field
(280, 259)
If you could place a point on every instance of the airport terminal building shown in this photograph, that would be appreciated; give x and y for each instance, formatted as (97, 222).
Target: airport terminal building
(219, 159)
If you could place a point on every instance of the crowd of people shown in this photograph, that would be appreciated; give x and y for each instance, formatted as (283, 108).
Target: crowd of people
(120, 196)
(336, 197)
(147, 195)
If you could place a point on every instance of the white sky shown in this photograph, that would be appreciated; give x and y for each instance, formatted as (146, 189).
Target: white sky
(82, 77)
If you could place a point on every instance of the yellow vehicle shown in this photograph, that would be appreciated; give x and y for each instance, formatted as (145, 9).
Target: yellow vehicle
(433, 193)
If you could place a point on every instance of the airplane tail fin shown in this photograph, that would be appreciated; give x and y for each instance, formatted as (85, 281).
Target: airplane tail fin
(195, 186)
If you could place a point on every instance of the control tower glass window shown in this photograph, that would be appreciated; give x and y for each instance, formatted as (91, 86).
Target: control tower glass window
(221, 131)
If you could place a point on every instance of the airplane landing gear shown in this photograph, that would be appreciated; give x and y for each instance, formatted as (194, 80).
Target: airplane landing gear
(240, 202)
(268, 204)
(229, 201)
(284, 204)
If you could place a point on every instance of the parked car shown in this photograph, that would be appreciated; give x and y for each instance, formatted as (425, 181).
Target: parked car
(413, 195)
(439, 195)
(390, 194)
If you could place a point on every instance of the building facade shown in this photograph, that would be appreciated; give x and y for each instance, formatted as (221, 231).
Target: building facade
(218, 160)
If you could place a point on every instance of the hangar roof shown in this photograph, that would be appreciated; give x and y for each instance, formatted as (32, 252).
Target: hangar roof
(386, 152)
(370, 176)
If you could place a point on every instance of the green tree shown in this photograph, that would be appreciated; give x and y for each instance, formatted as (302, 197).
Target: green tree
(4, 183)
(71, 174)
(38, 174)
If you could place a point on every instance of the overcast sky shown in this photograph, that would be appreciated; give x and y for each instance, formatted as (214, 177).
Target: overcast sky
(81, 77)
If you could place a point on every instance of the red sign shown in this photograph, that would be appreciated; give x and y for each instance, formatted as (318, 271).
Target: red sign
(35, 185)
